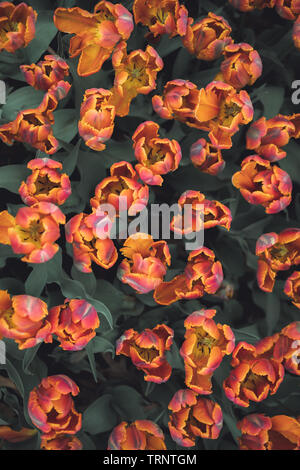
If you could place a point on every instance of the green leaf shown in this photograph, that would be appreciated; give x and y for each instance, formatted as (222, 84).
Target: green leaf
(92, 361)
(65, 126)
(23, 98)
(128, 403)
(11, 177)
(272, 98)
(99, 416)
(100, 344)
(36, 280)
(45, 31)
(13, 375)
(28, 358)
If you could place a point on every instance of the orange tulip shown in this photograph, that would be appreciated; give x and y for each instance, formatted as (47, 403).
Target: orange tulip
(24, 319)
(202, 275)
(34, 126)
(261, 183)
(51, 407)
(97, 115)
(47, 74)
(205, 214)
(122, 183)
(88, 247)
(135, 73)
(292, 288)
(146, 263)
(156, 156)
(147, 351)
(161, 16)
(193, 417)
(61, 442)
(288, 9)
(96, 34)
(205, 345)
(255, 373)
(260, 432)
(276, 252)
(207, 38)
(46, 183)
(17, 26)
(206, 158)
(241, 66)
(33, 231)
(139, 435)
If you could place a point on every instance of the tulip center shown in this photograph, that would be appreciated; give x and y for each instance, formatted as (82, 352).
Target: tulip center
(137, 76)
(228, 113)
(105, 16)
(33, 119)
(8, 27)
(253, 381)
(154, 155)
(161, 15)
(147, 354)
(118, 187)
(7, 315)
(279, 252)
(44, 185)
(32, 234)
(204, 343)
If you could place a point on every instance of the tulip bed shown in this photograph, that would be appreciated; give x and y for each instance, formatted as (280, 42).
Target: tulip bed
(137, 342)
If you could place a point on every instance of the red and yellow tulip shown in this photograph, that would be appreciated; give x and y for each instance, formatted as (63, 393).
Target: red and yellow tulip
(46, 183)
(74, 323)
(205, 345)
(260, 183)
(204, 214)
(241, 66)
(193, 417)
(135, 73)
(96, 34)
(260, 432)
(147, 351)
(17, 26)
(24, 319)
(51, 407)
(202, 275)
(276, 252)
(33, 231)
(206, 158)
(207, 38)
(255, 373)
(161, 16)
(88, 246)
(156, 156)
(145, 263)
(97, 118)
(139, 435)
(122, 183)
